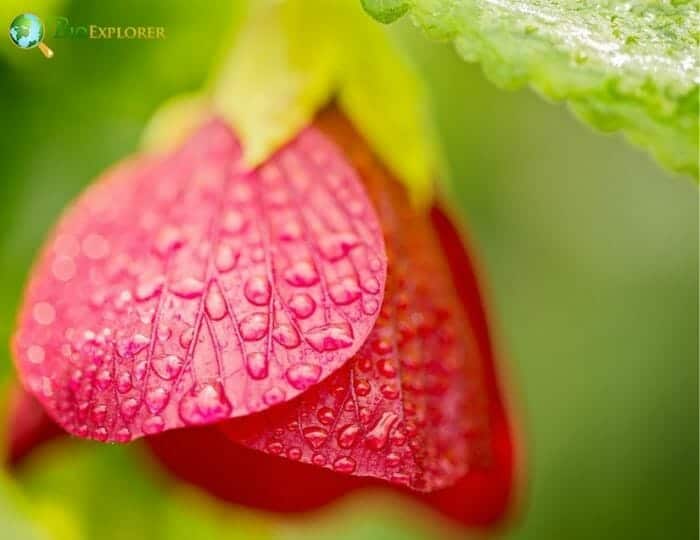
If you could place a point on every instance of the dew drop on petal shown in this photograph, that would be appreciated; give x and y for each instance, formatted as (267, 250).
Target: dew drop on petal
(214, 303)
(225, 259)
(63, 268)
(167, 367)
(123, 435)
(167, 240)
(301, 274)
(315, 436)
(44, 313)
(156, 399)
(233, 222)
(344, 292)
(256, 365)
(95, 246)
(257, 290)
(253, 326)
(273, 396)
(155, 424)
(148, 288)
(188, 287)
(35, 354)
(345, 465)
(129, 407)
(302, 305)
(124, 382)
(377, 437)
(330, 337)
(286, 336)
(337, 245)
(301, 376)
(204, 405)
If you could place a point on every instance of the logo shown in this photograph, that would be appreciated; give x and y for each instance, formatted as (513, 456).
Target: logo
(27, 32)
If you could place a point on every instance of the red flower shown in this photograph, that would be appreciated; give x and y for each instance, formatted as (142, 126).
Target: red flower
(186, 291)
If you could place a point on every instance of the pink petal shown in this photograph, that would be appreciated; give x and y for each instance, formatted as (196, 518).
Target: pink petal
(185, 290)
(410, 407)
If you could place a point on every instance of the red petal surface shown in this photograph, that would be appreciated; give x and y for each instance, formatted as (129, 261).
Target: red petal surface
(312, 427)
(185, 290)
(409, 407)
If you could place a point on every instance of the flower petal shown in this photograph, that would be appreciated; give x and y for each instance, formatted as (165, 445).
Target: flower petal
(185, 290)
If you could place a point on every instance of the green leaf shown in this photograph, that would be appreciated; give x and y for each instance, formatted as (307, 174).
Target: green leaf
(293, 58)
(630, 66)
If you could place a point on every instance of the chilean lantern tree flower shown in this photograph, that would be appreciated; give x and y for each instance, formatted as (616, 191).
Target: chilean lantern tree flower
(273, 295)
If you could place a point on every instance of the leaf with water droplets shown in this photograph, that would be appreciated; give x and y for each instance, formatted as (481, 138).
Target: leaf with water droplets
(184, 289)
(410, 408)
(630, 66)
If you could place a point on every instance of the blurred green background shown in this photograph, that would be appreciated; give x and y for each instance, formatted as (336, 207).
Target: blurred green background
(591, 252)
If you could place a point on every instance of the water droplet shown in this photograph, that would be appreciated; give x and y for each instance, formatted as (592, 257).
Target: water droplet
(392, 459)
(124, 382)
(335, 246)
(348, 435)
(286, 336)
(225, 259)
(163, 333)
(205, 405)
(35, 354)
(301, 376)
(98, 414)
(301, 274)
(290, 231)
(315, 436)
(344, 465)
(386, 367)
(389, 391)
(377, 437)
(104, 379)
(345, 292)
(233, 222)
(273, 396)
(188, 287)
(214, 303)
(95, 246)
(129, 407)
(155, 424)
(123, 435)
(302, 305)
(370, 306)
(318, 459)
(326, 415)
(257, 290)
(63, 268)
(167, 367)
(128, 347)
(256, 364)
(330, 337)
(156, 399)
(370, 284)
(294, 453)
(100, 434)
(275, 448)
(148, 288)
(253, 326)
(140, 370)
(186, 337)
(167, 240)
(44, 313)
(362, 387)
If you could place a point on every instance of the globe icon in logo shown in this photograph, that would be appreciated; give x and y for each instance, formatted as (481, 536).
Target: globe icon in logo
(27, 32)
